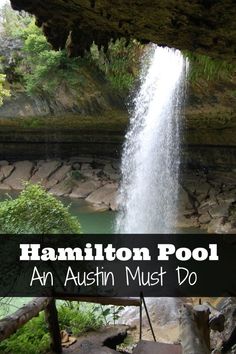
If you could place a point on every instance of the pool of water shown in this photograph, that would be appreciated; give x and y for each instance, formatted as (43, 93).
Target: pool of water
(92, 221)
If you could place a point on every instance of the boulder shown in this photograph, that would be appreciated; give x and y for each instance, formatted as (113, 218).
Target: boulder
(84, 189)
(61, 173)
(103, 195)
(91, 173)
(204, 218)
(229, 197)
(7, 170)
(113, 201)
(50, 183)
(45, 171)
(216, 226)
(62, 188)
(206, 205)
(88, 172)
(219, 210)
(21, 173)
(110, 172)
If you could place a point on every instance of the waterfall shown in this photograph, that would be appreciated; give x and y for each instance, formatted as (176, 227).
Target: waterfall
(148, 192)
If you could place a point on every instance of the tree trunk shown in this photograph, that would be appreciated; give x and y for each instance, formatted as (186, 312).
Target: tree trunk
(53, 326)
(11, 323)
(194, 329)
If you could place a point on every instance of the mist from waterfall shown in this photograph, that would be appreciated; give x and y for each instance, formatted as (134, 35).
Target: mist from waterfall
(150, 163)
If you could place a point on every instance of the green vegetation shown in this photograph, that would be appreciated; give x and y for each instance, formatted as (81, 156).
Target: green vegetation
(73, 317)
(42, 68)
(120, 64)
(36, 211)
(3, 91)
(110, 314)
(33, 337)
(203, 67)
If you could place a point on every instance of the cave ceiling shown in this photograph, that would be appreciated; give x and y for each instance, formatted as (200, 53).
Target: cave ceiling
(202, 26)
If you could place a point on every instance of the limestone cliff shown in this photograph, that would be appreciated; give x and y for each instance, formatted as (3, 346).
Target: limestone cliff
(92, 117)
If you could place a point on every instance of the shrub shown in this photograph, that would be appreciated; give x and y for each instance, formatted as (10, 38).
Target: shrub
(77, 320)
(36, 211)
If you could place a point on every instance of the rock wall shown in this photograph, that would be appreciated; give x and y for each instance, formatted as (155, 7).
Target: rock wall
(207, 200)
(201, 26)
(209, 125)
(90, 98)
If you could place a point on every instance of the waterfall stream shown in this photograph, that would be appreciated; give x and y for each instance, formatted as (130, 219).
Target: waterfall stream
(148, 193)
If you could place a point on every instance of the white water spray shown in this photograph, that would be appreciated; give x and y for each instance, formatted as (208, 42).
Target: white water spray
(151, 156)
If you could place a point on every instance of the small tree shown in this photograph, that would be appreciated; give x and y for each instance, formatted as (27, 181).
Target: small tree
(36, 211)
(43, 68)
(3, 91)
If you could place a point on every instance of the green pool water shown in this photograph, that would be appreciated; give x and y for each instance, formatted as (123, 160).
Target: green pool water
(92, 221)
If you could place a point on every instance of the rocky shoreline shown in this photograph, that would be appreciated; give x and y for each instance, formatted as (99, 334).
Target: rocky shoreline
(207, 198)
(95, 180)
(208, 201)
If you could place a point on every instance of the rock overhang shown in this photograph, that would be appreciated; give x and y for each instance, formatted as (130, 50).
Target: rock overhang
(201, 26)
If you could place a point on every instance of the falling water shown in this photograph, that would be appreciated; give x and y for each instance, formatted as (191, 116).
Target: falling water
(151, 156)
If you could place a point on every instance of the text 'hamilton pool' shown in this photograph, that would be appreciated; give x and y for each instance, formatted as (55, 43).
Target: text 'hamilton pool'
(151, 156)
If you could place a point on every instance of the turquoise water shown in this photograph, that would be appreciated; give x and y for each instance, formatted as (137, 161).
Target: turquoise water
(92, 221)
